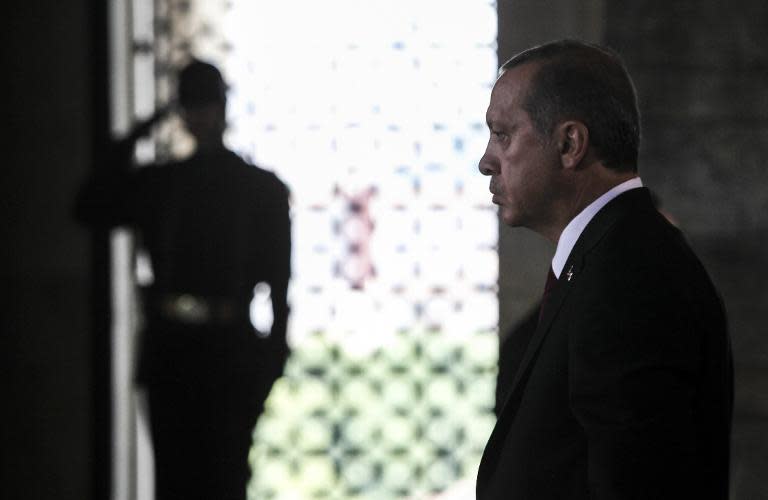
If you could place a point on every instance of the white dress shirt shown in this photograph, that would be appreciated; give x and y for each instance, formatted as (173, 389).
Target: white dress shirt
(573, 230)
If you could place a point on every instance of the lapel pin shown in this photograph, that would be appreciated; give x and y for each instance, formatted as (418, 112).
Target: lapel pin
(569, 274)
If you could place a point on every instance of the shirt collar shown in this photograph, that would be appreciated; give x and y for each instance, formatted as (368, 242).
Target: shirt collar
(573, 230)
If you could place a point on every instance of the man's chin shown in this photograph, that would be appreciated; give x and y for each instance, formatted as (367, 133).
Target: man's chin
(509, 218)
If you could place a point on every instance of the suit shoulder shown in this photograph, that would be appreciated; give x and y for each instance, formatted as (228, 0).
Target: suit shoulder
(644, 251)
(643, 236)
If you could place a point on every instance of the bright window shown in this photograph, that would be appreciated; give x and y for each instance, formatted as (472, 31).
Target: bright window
(373, 113)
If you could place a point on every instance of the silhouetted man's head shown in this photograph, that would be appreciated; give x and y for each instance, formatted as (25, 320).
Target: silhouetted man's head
(201, 84)
(203, 101)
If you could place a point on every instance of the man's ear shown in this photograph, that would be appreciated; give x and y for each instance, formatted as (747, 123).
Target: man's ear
(573, 142)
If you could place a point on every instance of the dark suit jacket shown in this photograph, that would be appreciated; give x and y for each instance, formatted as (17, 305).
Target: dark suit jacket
(511, 350)
(625, 389)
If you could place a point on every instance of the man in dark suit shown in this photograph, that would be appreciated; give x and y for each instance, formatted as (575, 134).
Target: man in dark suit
(624, 387)
(214, 226)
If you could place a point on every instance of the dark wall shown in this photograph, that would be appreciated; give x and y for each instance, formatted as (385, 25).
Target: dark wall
(47, 420)
(701, 68)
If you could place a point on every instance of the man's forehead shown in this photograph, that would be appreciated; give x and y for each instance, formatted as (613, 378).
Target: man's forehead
(515, 80)
(507, 94)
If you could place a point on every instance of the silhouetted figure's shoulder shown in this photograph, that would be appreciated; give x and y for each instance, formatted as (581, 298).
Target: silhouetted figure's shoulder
(232, 163)
(205, 180)
(234, 176)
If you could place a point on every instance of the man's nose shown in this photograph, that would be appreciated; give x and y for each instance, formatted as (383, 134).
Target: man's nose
(486, 165)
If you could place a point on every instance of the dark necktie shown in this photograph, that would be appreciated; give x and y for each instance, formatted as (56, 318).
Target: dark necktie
(548, 286)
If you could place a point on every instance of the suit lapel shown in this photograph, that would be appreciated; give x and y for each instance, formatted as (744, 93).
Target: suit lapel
(493, 448)
(592, 234)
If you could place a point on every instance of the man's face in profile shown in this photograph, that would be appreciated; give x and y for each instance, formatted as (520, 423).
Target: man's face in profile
(523, 165)
(204, 121)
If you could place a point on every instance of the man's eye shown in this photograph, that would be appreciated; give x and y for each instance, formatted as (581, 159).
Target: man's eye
(498, 134)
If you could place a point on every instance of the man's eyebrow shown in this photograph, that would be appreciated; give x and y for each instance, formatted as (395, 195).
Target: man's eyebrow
(494, 122)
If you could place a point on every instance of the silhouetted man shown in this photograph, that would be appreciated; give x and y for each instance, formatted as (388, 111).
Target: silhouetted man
(214, 227)
(624, 389)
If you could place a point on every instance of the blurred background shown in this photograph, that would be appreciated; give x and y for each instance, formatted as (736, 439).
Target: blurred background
(373, 113)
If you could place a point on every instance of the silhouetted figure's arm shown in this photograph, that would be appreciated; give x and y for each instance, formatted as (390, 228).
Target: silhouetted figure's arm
(105, 198)
(279, 272)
